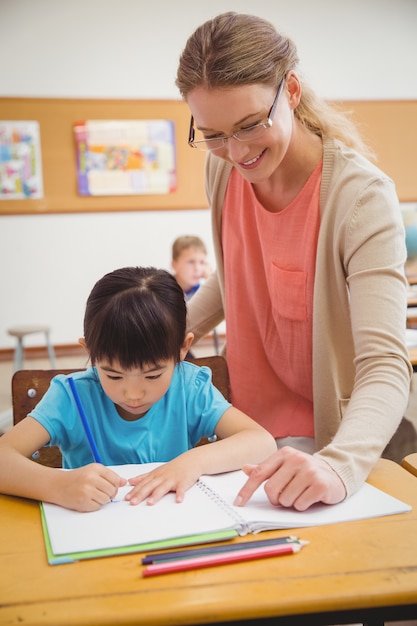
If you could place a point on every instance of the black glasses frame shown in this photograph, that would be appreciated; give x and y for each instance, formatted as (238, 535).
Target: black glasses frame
(267, 124)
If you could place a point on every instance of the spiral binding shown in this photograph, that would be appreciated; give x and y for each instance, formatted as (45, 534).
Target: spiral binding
(241, 526)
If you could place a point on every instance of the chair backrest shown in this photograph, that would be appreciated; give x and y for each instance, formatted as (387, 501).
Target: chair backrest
(28, 387)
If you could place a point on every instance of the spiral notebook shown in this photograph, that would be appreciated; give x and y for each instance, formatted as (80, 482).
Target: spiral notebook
(206, 515)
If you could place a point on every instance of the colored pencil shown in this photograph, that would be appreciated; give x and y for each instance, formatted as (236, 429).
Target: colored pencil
(93, 447)
(182, 565)
(224, 547)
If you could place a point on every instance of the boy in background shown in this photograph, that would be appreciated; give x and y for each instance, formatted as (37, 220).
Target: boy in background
(190, 265)
(189, 262)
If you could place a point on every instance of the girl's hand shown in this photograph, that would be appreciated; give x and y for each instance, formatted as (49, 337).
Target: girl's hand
(87, 488)
(293, 479)
(177, 475)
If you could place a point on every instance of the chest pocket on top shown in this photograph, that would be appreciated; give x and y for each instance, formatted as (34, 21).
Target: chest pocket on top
(288, 293)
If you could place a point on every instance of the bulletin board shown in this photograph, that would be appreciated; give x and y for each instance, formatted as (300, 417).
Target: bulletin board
(390, 127)
(56, 119)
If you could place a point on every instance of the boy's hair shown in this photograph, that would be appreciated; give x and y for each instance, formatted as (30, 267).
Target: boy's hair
(185, 242)
(136, 316)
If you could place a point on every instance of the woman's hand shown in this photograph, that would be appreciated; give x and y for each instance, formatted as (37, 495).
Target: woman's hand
(293, 479)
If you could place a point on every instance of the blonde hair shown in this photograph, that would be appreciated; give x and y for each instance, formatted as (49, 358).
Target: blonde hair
(238, 49)
(185, 242)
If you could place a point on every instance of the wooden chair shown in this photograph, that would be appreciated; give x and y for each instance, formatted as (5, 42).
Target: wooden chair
(409, 463)
(28, 387)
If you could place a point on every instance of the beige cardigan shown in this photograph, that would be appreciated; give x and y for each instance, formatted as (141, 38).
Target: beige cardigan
(361, 370)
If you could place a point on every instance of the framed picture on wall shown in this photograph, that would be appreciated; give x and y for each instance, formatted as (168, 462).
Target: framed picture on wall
(125, 157)
(20, 160)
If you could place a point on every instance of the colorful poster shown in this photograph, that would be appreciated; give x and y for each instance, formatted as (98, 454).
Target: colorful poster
(20, 160)
(125, 157)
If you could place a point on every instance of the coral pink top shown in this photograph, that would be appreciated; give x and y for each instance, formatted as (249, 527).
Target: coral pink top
(269, 261)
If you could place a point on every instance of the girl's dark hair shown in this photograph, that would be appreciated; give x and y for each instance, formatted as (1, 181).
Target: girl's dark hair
(136, 316)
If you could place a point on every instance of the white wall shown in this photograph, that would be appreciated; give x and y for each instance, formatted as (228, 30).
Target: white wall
(361, 49)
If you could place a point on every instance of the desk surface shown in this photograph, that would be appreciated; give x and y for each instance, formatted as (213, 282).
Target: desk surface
(410, 463)
(358, 567)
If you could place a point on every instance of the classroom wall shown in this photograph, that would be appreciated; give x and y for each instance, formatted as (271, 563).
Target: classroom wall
(361, 49)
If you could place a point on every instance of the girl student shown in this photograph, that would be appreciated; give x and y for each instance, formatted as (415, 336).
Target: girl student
(143, 404)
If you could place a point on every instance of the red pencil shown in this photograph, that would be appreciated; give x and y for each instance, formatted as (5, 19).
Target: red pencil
(181, 565)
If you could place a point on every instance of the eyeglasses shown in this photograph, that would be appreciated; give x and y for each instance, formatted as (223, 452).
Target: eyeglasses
(244, 134)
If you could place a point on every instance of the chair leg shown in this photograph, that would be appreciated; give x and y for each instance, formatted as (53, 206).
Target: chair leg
(216, 341)
(51, 351)
(18, 355)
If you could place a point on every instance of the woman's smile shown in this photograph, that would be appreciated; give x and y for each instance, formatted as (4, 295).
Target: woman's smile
(252, 162)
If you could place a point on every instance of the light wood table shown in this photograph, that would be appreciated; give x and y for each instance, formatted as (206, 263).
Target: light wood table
(364, 571)
(410, 463)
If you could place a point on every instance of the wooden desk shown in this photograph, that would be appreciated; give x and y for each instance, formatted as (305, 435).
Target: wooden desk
(410, 463)
(364, 571)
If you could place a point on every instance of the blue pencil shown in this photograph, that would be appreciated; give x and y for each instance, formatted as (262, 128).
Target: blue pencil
(84, 421)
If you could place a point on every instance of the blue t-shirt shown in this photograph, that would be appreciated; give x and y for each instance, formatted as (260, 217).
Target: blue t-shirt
(190, 292)
(190, 410)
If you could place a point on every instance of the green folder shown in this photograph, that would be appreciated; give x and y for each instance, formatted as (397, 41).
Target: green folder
(177, 542)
